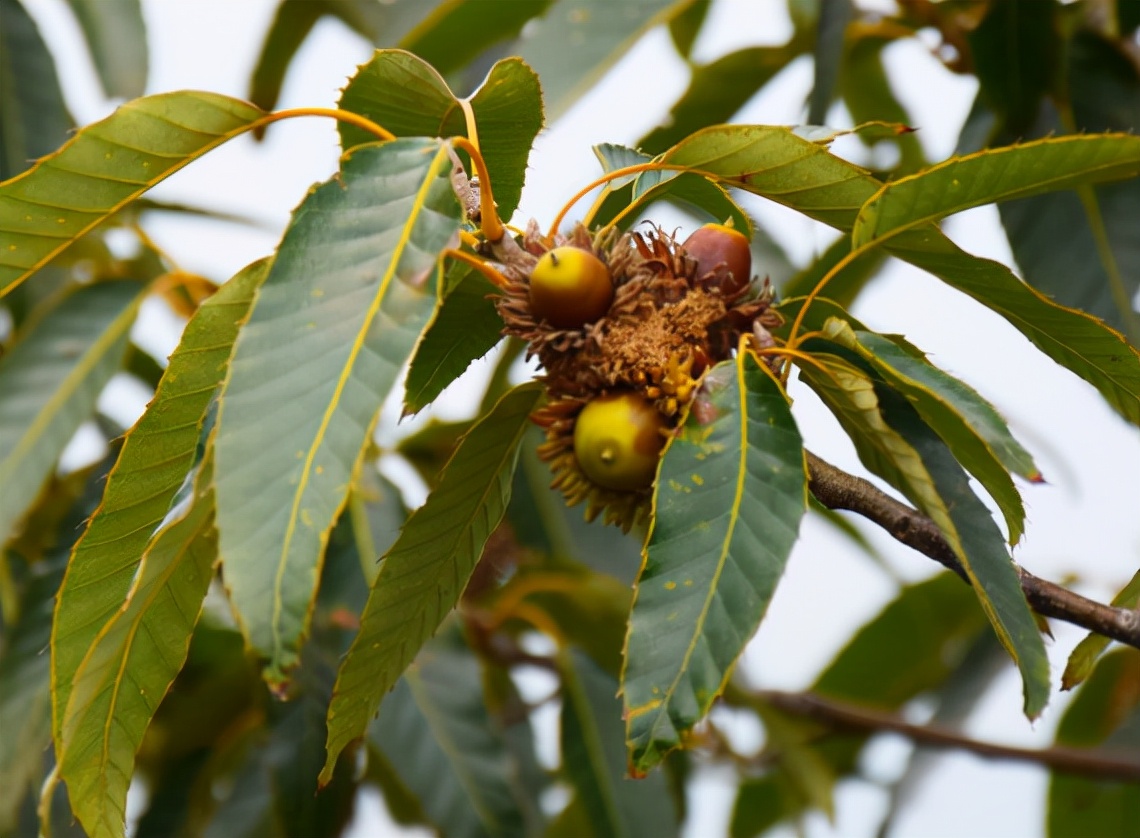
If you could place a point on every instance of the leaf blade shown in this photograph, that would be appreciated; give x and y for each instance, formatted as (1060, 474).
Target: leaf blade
(412, 594)
(721, 481)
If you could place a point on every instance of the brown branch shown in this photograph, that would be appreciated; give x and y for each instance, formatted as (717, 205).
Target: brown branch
(838, 715)
(836, 489)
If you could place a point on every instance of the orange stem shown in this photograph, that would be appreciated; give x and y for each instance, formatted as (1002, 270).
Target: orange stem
(478, 264)
(492, 227)
(336, 113)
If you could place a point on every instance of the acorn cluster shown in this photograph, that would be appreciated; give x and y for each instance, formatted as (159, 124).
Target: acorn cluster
(624, 325)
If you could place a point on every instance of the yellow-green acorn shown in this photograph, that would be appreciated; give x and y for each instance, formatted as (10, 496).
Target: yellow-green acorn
(570, 287)
(618, 440)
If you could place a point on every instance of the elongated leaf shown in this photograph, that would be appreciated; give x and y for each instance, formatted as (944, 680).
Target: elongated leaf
(427, 568)
(573, 44)
(969, 425)
(455, 33)
(827, 54)
(777, 164)
(157, 453)
(409, 98)
(334, 321)
(997, 174)
(104, 167)
(116, 36)
(439, 739)
(133, 661)
(594, 759)
(464, 328)
(981, 551)
(33, 117)
(1088, 651)
(731, 491)
(50, 380)
(1106, 714)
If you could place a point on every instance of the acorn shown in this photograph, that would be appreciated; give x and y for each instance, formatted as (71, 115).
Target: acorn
(570, 287)
(723, 257)
(618, 440)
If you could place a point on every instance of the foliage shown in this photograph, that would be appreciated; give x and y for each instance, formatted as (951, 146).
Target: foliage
(217, 622)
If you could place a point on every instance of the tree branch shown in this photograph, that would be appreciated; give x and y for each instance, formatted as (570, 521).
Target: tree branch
(834, 714)
(836, 489)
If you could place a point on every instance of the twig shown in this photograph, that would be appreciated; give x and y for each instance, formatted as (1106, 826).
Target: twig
(836, 489)
(834, 714)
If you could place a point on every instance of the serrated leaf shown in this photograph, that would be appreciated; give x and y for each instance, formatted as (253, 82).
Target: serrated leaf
(573, 44)
(593, 757)
(409, 98)
(116, 35)
(1084, 657)
(1104, 714)
(105, 166)
(981, 551)
(730, 494)
(133, 661)
(33, 117)
(465, 327)
(439, 738)
(967, 423)
(333, 323)
(997, 174)
(776, 164)
(427, 568)
(157, 453)
(51, 378)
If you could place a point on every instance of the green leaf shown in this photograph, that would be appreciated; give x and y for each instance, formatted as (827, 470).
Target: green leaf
(846, 285)
(133, 661)
(105, 166)
(998, 174)
(686, 26)
(981, 551)
(409, 98)
(438, 737)
(465, 327)
(574, 44)
(51, 378)
(827, 55)
(731, 491)
(157, 453)
(116, 35)
(33, 117)
(427, 568)
(456, 33)
(777, 164)
(333, 323)
(1084, 657)
(719, 89)
(969, 425)
(594, 759)
(1105, 714)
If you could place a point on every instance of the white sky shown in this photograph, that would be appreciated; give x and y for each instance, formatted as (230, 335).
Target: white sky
(1083, 523)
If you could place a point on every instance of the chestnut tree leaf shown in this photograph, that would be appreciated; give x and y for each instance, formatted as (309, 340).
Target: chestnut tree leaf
(730, 493)
(777, 164)
(426, 570)
(332, 325)
(409, 97)
(105, 166)
(157, 453)
(1084, 657)
(116, 35)
(50, 379)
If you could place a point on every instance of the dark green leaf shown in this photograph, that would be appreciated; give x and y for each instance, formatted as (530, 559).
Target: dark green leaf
(409, 98)
(33, 117)
(834, 15)
(686, 26)
(116, 36)
(465, 327)
(1105, 714)
(594, 758)
(427, 568)
(50, 379)
(847, 284)
(334, 321)
(157, 453)
(105, 166)
(730, 493)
